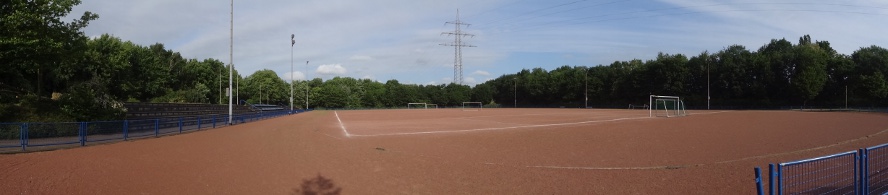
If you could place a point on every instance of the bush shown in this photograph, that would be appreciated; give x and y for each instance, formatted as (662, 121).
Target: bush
(89, 101)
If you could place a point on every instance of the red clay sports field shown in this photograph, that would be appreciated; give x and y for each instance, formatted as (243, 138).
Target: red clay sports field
(448, 151)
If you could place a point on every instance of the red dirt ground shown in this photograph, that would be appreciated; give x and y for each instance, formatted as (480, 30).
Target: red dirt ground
(447, 151)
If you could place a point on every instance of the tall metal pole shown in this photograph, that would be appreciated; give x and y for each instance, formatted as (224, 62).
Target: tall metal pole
(220, 84)
(586, 89)
(306, 85)
(708, 97)
(292, 43)
(231, 65)
(236, 91)
(516, 92)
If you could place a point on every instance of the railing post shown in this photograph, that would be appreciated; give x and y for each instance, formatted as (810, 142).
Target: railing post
(771, 179)
(82, 133)
(214, 121)
(23, 135)
(156, 127)
(778, 175)
(180, 124)
(862, 182)
(758, 181)
(125, 130)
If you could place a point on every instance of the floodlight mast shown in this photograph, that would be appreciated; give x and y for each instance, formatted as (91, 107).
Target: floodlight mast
(230, 64)
(292, 43)
(306, 85)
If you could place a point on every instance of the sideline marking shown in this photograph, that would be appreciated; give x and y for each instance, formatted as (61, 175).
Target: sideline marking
(341, 125)
(498, 128)
(613, 168)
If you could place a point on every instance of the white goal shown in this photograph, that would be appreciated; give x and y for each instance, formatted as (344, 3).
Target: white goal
(417, 106)
(645, 106)
(666, 106)
(471, 106)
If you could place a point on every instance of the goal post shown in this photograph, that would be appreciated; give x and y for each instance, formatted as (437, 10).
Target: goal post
(432, 106)
(472, 106)
(668, 106)
(417, 106)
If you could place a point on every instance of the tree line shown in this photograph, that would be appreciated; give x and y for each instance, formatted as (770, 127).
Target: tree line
(778, 74)
(53, 72)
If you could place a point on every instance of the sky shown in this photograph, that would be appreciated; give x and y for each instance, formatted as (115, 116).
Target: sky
(402, 39)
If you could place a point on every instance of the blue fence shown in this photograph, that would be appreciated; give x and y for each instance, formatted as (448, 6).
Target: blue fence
(860, 172)
(30, 135)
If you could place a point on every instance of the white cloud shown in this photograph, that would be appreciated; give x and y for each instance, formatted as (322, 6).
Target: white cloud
(469, 81)
(297, 75)
(481, 72)
(402, 42)
(360, 58)
(331, 69)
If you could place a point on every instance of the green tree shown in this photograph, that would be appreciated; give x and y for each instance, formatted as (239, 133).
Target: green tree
(668, 74)
(872, 66)
(484, 93)
(396, 94)
(457, 94)
(810, 70)
(34, 42)
(374, 94)
(264, 86)
(875, 85)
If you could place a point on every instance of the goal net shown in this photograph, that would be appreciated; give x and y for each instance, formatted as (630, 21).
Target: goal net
(417, 106)
(666, 106)
(471, 106)
(644, 106)
(432, 106)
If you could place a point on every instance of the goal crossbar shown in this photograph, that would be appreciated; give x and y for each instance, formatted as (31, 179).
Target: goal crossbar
(677, 105)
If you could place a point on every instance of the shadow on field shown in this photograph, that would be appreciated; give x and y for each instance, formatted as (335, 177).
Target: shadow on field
(317, 186)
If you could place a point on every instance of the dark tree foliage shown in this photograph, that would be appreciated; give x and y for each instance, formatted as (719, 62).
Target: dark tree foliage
(779, 74)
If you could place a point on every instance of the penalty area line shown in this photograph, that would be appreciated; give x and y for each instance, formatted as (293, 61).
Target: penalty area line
(341, 125)
(500, 128)
(613, 168)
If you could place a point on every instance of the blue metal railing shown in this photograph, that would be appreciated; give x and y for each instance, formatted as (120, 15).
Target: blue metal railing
(860, 172)
(30, 135)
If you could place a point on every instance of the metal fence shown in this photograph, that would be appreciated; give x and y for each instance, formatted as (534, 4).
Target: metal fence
(860, 172)
(49, 135)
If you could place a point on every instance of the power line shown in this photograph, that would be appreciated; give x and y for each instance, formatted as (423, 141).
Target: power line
(603, 17)
(569, 10)
(494, 9)
(537, 10)
(457, 47)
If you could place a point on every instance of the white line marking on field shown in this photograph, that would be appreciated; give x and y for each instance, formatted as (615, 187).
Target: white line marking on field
(341, 125)
(610, 168)
(498, 128)
(717, 112)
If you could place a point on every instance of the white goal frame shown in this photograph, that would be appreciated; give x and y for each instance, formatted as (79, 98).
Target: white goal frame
(480, 106)
(676, 109)
(424, 105)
